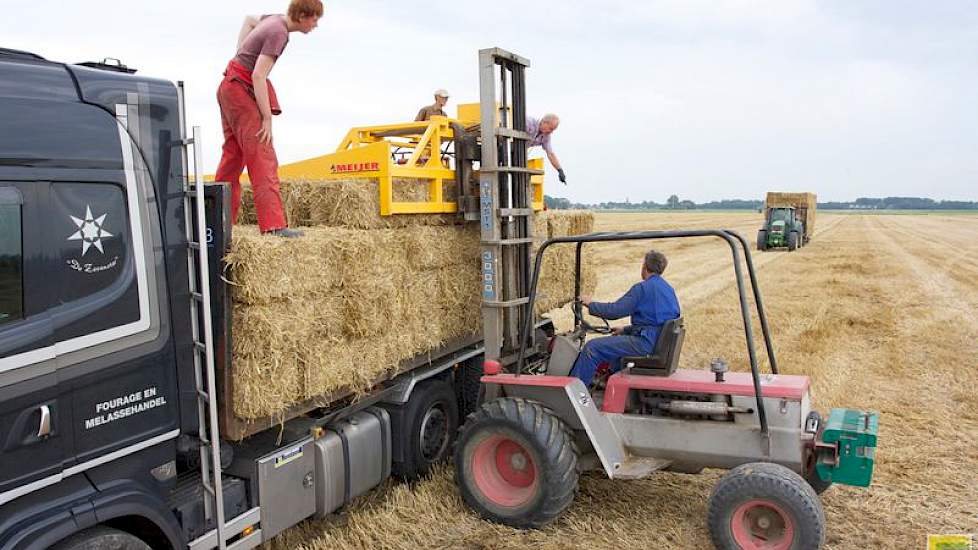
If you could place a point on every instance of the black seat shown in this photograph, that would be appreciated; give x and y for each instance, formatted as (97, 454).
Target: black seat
(665, 358)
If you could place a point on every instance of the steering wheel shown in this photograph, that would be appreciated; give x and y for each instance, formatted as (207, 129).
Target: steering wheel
(588, 327)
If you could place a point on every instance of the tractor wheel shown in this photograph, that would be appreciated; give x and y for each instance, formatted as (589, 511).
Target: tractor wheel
(516, 463)
(101, 538)
(764, 505)
(762, 240)
(792, 240)
(431, 422)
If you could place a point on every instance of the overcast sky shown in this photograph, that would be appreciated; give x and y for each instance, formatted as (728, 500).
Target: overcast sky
(705, 99)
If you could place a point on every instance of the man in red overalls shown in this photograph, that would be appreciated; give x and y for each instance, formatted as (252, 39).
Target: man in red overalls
(248, 101)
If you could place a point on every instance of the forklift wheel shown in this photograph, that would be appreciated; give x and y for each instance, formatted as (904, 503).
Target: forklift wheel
(763, 505)
(516, 463)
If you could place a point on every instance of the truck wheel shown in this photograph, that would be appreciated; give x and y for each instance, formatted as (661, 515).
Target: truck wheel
(516, 463)
(792, 240)
(431, 422)
(101, 538)
(468, 382)
(762, 240)
(764, 505)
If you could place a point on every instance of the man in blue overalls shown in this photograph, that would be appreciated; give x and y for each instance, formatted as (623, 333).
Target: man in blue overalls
(650, 303)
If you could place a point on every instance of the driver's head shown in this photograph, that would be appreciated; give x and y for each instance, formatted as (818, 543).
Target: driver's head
(654, 264)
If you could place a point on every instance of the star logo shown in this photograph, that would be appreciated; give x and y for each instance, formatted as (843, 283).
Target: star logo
(90, 231)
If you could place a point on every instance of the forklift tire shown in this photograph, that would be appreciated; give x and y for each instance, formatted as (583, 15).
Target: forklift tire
(762, 240)
(765, 505)
(101, 538)
(430, 422)
(792, 241)
(516, 463)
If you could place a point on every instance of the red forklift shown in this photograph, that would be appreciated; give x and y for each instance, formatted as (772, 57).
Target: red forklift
(519, 456)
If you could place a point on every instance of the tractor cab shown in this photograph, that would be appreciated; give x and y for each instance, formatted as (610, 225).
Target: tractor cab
(518, 457)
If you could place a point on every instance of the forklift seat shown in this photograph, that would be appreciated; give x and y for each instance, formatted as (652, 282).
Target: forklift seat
(665, 358)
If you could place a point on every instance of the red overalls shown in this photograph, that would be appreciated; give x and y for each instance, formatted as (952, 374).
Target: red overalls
(241, 121)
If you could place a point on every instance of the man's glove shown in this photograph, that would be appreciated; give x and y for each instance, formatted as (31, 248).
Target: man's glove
(561, 176)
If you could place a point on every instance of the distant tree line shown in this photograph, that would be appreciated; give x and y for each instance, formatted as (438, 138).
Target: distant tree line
(675, 203)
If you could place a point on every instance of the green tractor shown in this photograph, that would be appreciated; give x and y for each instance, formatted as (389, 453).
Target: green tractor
(782, 228)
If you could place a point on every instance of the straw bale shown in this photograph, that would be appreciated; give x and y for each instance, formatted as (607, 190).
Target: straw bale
(265, 269)
(431, 247)
(265, 359)
(352, 203)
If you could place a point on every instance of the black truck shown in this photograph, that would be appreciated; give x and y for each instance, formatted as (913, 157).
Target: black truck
(104, 402)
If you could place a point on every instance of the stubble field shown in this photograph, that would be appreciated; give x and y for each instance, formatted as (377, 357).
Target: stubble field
(880, 311)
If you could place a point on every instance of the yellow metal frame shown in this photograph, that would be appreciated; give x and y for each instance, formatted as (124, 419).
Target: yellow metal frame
(375, 152)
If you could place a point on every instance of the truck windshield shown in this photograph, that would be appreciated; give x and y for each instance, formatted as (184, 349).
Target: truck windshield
(781, 215)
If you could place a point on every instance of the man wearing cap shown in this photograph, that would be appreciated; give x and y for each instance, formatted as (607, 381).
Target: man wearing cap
(540, 131)
(435, 109)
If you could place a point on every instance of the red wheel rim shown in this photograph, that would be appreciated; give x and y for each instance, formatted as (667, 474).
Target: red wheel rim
(762, 525)
(504, 471)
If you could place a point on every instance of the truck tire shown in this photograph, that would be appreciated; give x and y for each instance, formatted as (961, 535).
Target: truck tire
(430, 423)
(468, 383)
(792, 240)
(516, 463)
(762, 240)
(101, 538)
(765, 505)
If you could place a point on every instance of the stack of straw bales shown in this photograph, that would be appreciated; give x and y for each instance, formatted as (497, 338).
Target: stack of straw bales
(342, 307)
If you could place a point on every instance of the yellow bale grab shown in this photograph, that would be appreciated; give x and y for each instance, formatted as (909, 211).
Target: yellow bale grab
(404, 151)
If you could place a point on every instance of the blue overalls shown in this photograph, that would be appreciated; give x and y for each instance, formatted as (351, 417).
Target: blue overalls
(650, 303)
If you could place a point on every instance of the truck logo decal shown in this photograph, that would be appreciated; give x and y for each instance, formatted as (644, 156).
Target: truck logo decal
(91, 230)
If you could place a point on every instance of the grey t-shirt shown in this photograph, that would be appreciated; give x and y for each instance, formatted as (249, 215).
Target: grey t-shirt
(269, 37)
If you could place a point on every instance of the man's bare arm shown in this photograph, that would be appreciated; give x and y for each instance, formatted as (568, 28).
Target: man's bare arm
(250, 22)
(259, 77)
(554, 161)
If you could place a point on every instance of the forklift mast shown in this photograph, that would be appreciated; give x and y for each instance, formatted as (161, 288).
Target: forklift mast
(505, 208)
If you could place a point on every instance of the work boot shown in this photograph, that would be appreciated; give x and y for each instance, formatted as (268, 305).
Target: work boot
(285, 232)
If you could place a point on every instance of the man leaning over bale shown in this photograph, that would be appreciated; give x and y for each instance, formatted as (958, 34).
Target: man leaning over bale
(540, 131)
(248, 101)
(650, 303)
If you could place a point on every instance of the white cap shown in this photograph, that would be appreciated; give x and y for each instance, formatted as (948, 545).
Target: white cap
(441, 92)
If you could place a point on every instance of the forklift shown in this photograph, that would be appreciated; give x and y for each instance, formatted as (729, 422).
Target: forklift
(519, 456)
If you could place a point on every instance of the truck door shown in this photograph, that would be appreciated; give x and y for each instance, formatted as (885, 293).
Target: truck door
(33, 411)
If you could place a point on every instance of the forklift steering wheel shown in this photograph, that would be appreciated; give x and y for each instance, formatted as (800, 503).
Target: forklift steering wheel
(588, 327)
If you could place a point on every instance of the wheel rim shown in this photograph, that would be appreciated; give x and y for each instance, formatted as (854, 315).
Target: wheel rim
(434, 433)
(504, 471)
(762, 525)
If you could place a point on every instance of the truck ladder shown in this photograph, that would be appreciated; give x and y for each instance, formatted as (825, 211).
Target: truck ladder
(505, 201)
(208, 432)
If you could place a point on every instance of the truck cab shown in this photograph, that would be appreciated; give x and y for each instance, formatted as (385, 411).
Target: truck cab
(94, 342)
